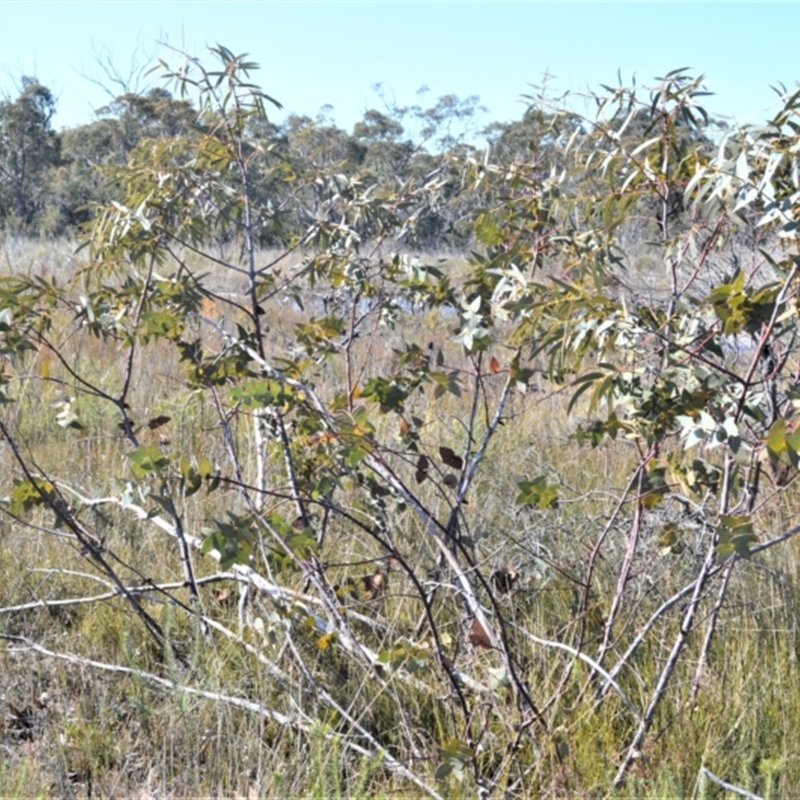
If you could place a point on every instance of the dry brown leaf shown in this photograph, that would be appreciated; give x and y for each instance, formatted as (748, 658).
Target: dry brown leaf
(422, 469)
(478, 637)
(374, 585)
(780, 474)
(450, 458)
(505, 578)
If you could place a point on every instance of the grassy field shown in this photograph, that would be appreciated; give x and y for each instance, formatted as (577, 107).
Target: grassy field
(92, 708)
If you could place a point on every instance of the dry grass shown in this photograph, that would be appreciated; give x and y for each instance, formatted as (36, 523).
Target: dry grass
(73, 731)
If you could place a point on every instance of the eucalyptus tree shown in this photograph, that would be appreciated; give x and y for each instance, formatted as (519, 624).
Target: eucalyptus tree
(29, 149)
(352, 400)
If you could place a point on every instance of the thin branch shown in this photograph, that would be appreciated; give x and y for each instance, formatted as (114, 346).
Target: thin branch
(595, 666)
(137, 591)
(634, 750)
(728, 787)
(680, 595)
(712, 626)
(91, 546)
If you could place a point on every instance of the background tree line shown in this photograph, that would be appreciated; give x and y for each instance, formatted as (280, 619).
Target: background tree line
(51, 181)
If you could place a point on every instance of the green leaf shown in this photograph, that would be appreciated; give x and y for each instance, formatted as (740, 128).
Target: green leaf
(446, 382)
(191, 479)
(735, 535)
(443, 771)
(670, 539)
(204, 467)
(793, 448)
(654, 487)
(457, 750)
(233, 540)
(537, 493)
(408, 657)
(165, 502)
(148, 460)
(776, 438)
(391, 394)
(498, 679)
(261, 394)
(584, 383)
(27, 494)
(162, 324)
(520, 375)
(353, 456)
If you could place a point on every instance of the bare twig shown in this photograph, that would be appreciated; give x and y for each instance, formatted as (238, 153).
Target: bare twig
(634, 750)
(712, 625)
(728, 787)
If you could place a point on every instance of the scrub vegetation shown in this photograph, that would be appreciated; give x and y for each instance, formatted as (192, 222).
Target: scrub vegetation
(292, 507)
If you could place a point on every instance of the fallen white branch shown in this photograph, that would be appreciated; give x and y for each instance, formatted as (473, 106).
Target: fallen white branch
(278, 594)
(239, 702)
(140, 592)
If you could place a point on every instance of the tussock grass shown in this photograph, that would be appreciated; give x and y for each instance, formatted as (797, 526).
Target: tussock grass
(72, 731)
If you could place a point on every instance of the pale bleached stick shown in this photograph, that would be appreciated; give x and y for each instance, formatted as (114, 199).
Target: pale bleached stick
(239, 702)
(277, 594)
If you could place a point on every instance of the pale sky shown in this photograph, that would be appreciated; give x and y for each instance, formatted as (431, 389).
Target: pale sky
(318, 53)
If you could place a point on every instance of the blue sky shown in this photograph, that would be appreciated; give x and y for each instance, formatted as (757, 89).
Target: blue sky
(318, 53)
